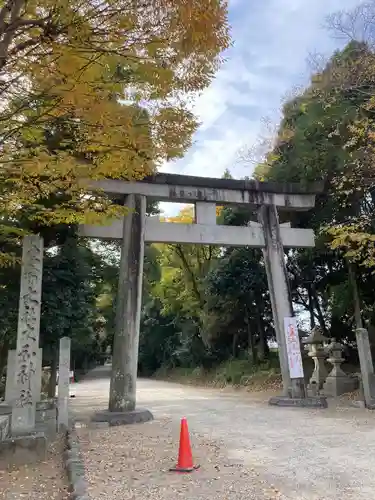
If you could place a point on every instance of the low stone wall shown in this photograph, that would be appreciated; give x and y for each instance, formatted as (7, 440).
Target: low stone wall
(45, 418)
(31, 448)
(74, 465)
(4, 427)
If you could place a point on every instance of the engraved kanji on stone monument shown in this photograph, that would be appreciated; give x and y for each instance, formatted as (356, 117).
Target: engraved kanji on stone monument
(11, 395)
(27, 350)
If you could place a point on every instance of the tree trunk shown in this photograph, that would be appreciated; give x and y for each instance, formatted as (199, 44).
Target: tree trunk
(356, 299)
(311, 306)
(263, 348)
(254, 352)
(8, 27)
(250, 339)
(321, 319)
(53, 376)
(234, 345)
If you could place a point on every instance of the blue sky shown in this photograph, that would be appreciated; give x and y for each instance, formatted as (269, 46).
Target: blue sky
(272, 42)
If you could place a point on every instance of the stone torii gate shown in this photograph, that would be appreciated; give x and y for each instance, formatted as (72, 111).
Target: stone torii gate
(205, 193)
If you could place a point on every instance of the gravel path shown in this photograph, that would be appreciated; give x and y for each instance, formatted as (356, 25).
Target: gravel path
(132, 463)
(44, 481)
(306, 454)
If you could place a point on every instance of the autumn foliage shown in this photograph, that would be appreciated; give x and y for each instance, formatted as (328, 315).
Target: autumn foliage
(98, 89)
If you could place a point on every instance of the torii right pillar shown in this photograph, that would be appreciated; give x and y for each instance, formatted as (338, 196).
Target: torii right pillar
(294, 390)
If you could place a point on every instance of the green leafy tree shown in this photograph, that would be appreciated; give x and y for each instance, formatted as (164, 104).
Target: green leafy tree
(319, 139)
(68, 304)
(237, 309)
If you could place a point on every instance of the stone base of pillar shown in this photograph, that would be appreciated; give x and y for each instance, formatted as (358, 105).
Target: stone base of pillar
(358, 404)
(361, 403)
(298, 388)
(337, 386)
(309, 402)
(22, 450)
(137, 416)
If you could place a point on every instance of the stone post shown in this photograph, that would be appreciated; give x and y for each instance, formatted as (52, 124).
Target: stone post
(122, 394)
(367, 367)
(281, 300)
(23, 413)
(63, 385)
(318, 353)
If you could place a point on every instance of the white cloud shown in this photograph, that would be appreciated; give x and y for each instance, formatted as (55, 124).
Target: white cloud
(272, 40)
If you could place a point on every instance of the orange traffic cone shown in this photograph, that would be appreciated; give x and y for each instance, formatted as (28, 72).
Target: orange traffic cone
(185, 457)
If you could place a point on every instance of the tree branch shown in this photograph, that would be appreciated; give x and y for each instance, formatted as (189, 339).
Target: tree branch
(8, 36)
(190, 272)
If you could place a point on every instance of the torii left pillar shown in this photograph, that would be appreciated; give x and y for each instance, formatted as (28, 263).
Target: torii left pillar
(122, 394)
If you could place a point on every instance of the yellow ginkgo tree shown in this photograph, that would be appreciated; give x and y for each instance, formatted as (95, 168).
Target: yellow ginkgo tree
(97, 89)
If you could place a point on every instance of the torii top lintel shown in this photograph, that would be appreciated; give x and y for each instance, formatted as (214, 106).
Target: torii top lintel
(191, 189)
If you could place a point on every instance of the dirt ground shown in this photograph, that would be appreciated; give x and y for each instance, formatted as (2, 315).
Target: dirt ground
(307, 454)
(132, 462)
(43, 481)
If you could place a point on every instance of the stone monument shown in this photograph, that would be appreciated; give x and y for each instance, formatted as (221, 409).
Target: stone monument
(26, 360)
(315, 342)
(25, 443)
(337, 382)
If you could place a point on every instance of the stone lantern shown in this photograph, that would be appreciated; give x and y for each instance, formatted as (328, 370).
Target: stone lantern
(337, 382)
(315, 342)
